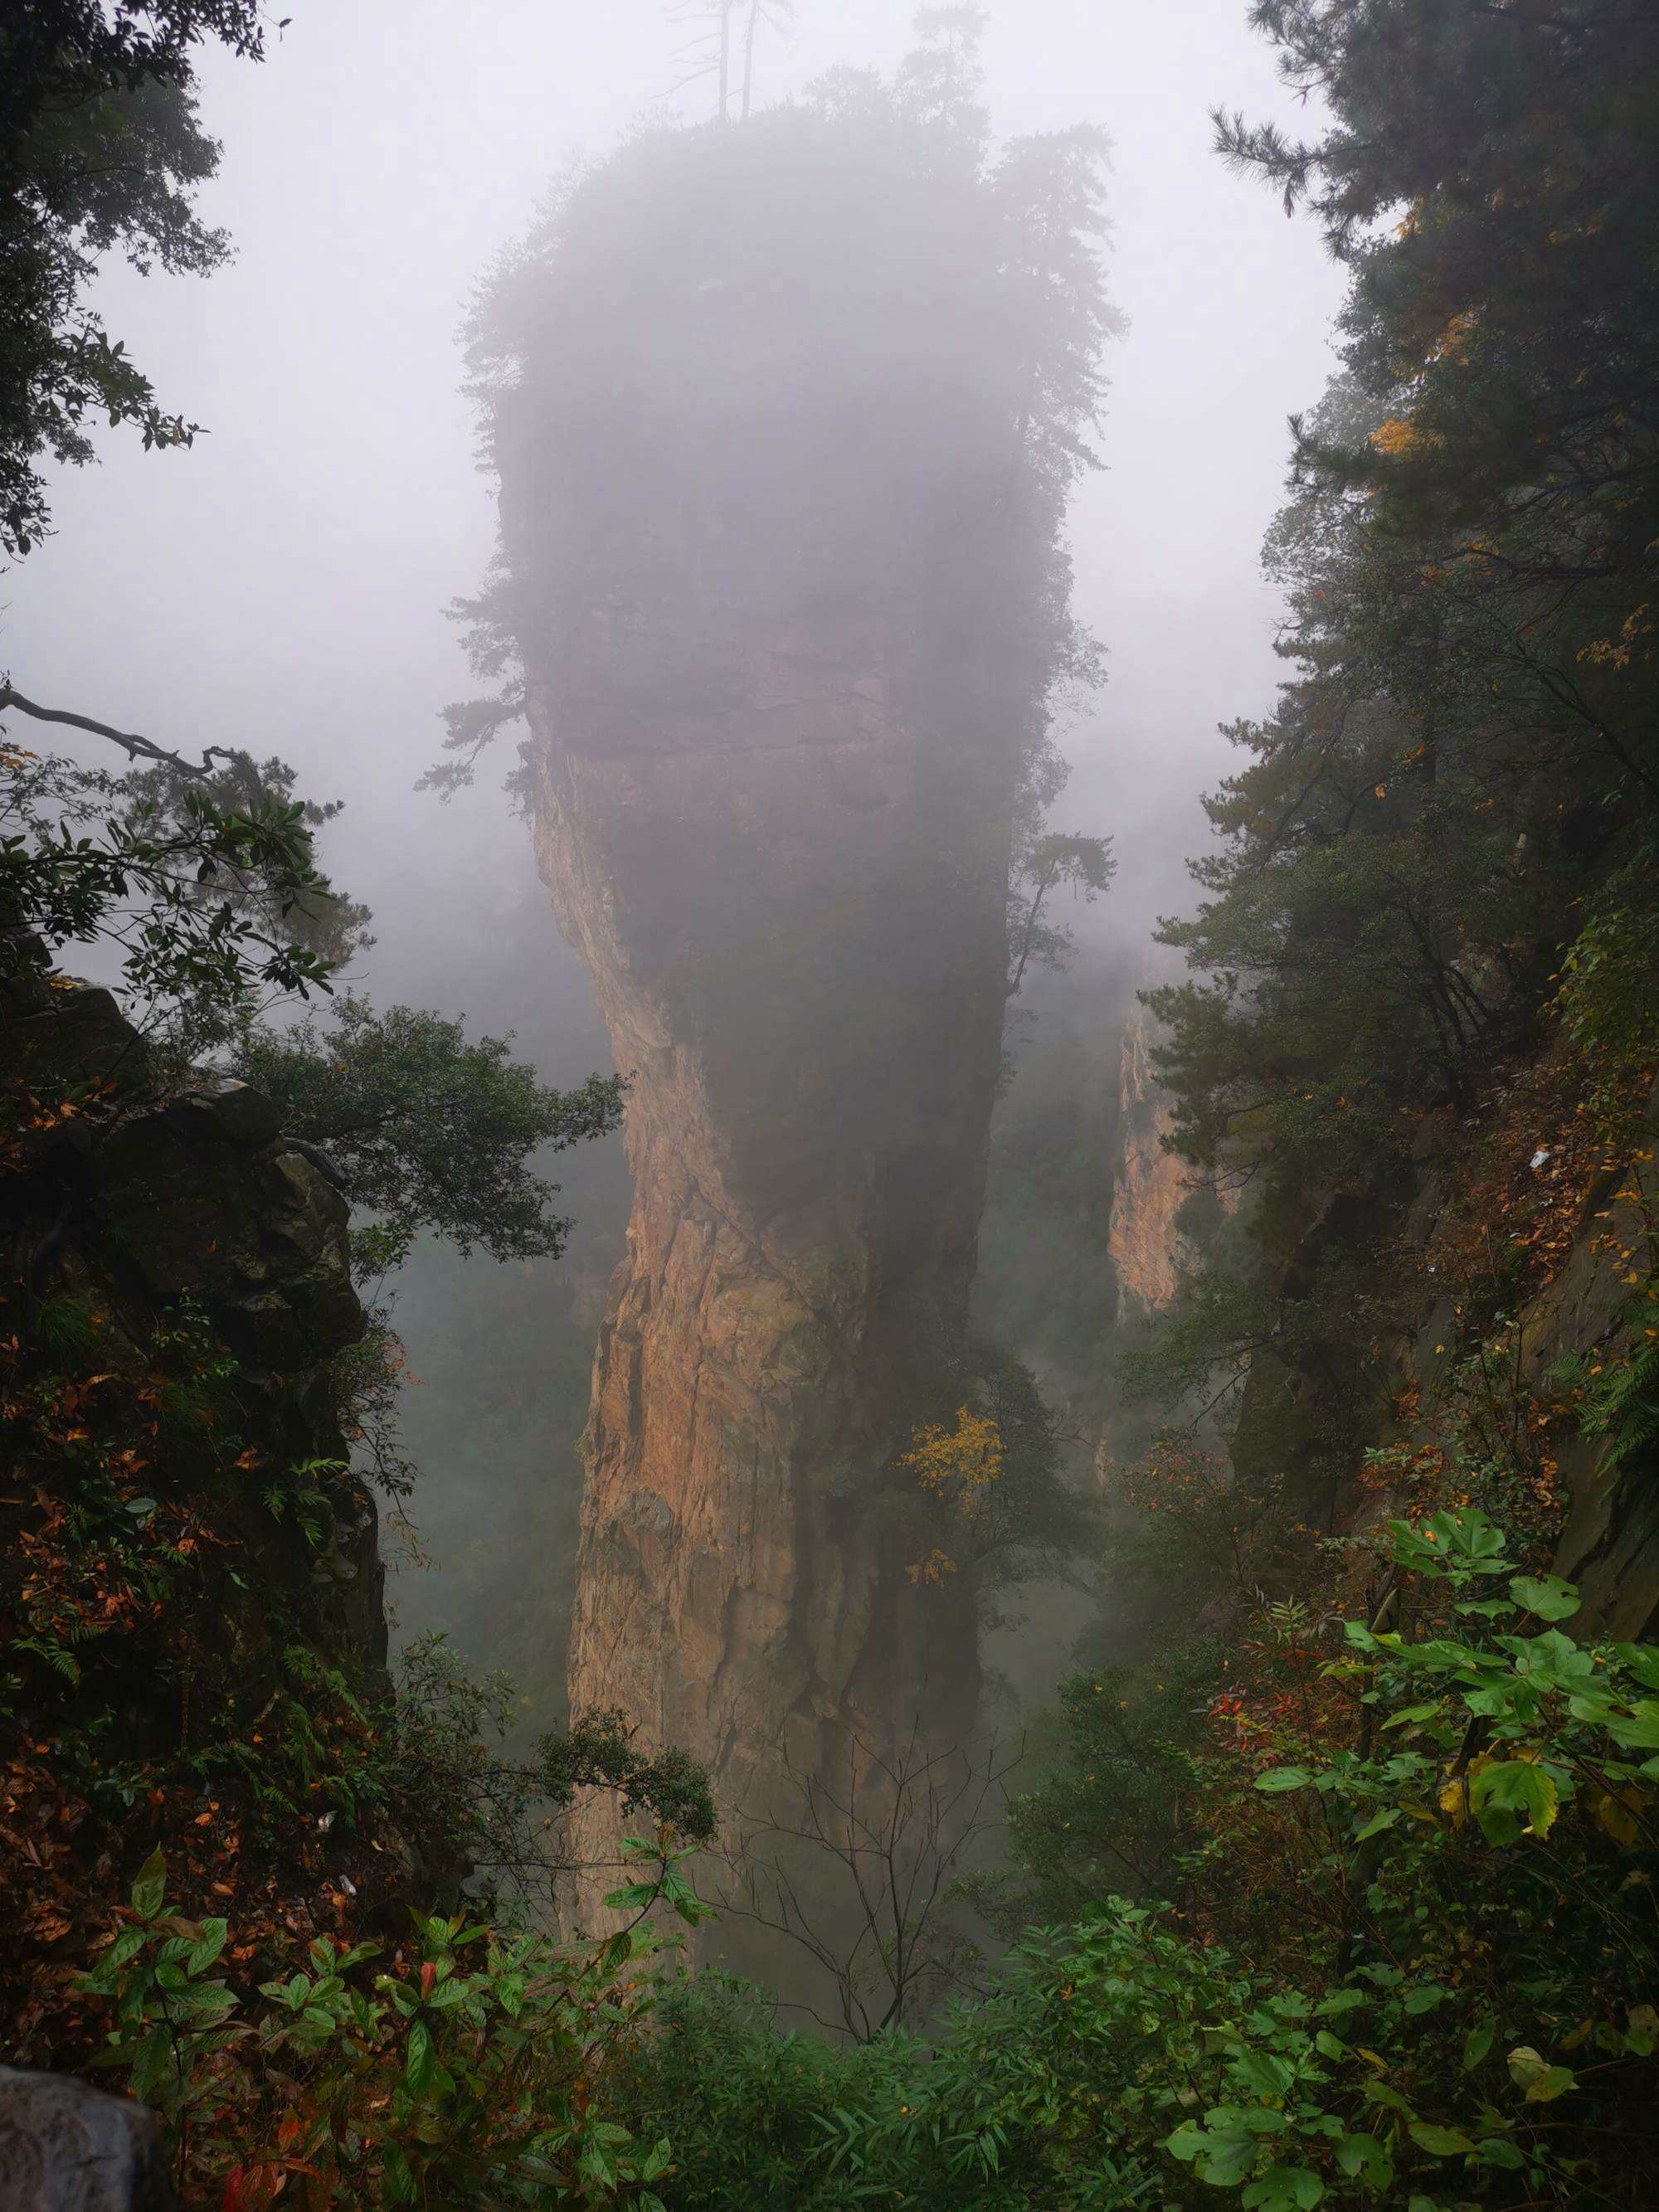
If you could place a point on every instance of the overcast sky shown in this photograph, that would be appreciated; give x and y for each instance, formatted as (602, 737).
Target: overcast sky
(282, 584)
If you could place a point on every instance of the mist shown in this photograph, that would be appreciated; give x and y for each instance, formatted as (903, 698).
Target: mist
(284, 583)
(828, 1362)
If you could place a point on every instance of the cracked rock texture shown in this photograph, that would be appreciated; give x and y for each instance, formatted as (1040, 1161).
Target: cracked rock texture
(1148, 1188)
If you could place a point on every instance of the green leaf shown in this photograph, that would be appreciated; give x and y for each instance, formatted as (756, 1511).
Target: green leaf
(633, 1898)
(127, 1945)
(1263, 2073)
(1518, 1787)
(1638, 1729)
(1539, 2081)
(150, 1886)
(150, 2065)
(1285, 2189)
(1341, 2001)
(1546, 1595)
(1476, 2044)
(1363, 2153)
(206, 1949)
(420, 2060)
(1497, 2150)
(1377, 1823)
(1280, 1778)
(1221, 2159)
(1440, 2142)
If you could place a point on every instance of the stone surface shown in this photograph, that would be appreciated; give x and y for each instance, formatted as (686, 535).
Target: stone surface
(807, 1129)
(774, 819)
(147, 1203)
(64, 2148)
(1609, 1543)
(1149, 1185)
(778, 565)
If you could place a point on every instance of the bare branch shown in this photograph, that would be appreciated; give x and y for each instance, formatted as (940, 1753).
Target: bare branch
(136, 748)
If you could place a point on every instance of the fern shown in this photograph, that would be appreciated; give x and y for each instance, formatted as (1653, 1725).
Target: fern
(60, 1660)
(1624, 1403)
(1626, 1407)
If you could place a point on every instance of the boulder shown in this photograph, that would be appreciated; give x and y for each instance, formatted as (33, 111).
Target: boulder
(64, 2148)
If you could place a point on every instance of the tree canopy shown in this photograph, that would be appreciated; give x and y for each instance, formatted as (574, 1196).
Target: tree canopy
(1469, 747)
(431, 1131)
(100, 149)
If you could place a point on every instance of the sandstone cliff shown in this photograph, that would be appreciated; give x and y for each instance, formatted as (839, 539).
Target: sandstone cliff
(1148, 1188)
(770, 552)
(1150, 1250)
(807, 994)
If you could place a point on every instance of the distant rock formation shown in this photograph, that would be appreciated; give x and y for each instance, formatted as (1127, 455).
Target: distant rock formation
(785, 419)
(1149, 1253)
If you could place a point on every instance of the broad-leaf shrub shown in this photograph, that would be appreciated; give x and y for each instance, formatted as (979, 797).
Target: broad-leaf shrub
(1467, 2015)
(457, 2071)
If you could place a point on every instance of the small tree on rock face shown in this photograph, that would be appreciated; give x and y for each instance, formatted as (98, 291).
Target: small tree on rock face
(996, 1506)
(1049, 864)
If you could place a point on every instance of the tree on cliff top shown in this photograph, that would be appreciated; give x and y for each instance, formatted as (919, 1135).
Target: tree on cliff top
(854, 265)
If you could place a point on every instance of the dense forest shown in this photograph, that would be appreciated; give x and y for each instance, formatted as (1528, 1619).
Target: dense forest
(1047, 1571)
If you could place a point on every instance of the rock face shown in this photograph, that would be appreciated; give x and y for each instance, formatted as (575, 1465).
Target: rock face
(801, 968)
(779, 562)
(1395, 1364)
(64, 2148)
(1149, 1252)
(1581, 1314)
(1147, 1190)
(154, 1204)
(179, 1271)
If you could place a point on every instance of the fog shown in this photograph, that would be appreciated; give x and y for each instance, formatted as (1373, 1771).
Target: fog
(283, 585)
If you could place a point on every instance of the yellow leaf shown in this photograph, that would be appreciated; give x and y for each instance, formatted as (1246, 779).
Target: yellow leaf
(1616, 1814)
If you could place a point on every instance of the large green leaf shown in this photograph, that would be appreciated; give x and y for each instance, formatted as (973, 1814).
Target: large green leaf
(1519, 1788)
(1285, 2189)
(1546, 1595)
